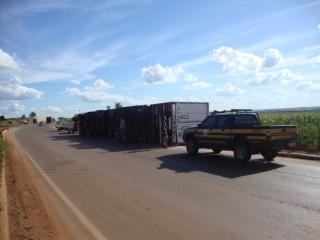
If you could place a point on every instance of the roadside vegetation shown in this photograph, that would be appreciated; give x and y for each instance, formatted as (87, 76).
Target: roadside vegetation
(4, 124)
(308, 123)
(3, 147)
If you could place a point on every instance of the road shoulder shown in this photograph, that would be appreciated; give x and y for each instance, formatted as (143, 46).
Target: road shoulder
(30, 213)
(300, 155)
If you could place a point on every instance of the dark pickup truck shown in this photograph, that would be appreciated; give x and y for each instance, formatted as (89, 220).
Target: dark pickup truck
(242, 132)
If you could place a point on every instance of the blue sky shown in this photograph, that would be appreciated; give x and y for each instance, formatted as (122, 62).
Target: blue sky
(59, 58)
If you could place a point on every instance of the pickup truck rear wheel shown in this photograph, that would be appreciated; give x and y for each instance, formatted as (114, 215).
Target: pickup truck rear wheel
(269, 154)
(242, 152)
(192, 146)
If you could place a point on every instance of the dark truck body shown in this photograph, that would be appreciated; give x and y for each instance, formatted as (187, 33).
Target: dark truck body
(242, 132)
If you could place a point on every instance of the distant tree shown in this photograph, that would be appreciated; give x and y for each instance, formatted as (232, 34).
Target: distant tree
(64, 119)
(32, 115)
(2, 118)
(108, 107)
(75, 118)
(23, 116)
(117, 105)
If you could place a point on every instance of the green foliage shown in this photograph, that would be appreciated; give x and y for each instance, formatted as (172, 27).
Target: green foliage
(308, 123)
(75, 118)
(3, 147)
(117, 105)
(5, 124)
(64, 119)
(32, 115)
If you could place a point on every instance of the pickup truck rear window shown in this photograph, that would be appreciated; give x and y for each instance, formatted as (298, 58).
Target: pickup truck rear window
(246, 120)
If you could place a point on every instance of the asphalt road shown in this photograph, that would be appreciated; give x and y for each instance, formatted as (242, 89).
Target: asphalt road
(105, 190)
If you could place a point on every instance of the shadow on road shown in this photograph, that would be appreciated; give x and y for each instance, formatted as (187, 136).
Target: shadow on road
(224, 166)
(220, 164)
(108, 144)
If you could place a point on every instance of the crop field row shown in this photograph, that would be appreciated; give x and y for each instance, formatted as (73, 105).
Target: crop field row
(308, 123)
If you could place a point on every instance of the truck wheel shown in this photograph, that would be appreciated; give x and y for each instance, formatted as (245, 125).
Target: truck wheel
(216, 150)
(269, 154)
(192, 147)
(123, 138)
(242, 152)
(164, 140)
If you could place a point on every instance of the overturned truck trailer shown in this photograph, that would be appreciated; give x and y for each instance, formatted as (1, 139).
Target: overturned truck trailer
(144, 123)
(178, 116)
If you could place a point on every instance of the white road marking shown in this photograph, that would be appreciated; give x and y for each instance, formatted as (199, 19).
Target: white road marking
(84, 220)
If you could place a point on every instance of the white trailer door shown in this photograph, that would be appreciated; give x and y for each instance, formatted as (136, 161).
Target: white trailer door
(189, 115)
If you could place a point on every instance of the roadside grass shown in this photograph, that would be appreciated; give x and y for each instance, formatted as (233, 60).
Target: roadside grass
(308, 123)
(4, 124)
(3, 149)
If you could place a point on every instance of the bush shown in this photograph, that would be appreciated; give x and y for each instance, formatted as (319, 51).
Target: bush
(3, 146)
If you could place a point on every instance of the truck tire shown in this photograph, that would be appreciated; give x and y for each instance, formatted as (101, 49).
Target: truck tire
(242, 152)
(192, 146)
(216, 150)
(123, 138)
(164, 141)
(269, 154)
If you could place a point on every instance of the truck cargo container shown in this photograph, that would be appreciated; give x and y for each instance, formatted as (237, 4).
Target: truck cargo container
(177, 116)
(87, 123)
(48, 120)
(131, 124)
(144, 123)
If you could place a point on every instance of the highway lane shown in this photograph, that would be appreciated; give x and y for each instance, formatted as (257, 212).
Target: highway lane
(139, 191)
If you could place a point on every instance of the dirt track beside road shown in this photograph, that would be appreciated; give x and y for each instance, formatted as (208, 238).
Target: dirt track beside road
(30, 215)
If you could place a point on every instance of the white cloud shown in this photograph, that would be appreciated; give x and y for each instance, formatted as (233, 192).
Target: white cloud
(70, 61)
(53, 109)
(193, 83)
(97, 93)
(17, 9)
(11, 109)
(229, 90)
(157, 74)
(76, 82)
(237, 61)
(315, 59)
(15, 107)
(197, 85)
(318, 26)
(100, 84)
(74, 59)
(272, 58)
(309, 87)
(263, 78)
(190, 78)
(14, 90)
(6, 61)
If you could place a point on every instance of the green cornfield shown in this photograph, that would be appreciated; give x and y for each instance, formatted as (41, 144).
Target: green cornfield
(308, 123)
